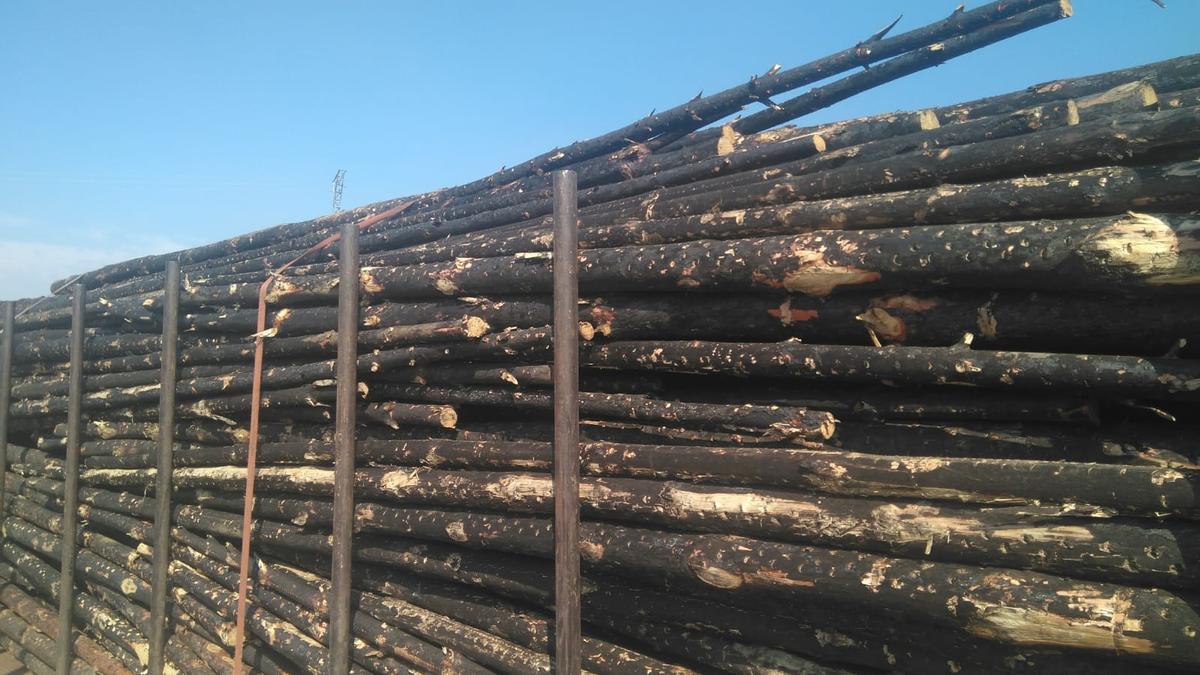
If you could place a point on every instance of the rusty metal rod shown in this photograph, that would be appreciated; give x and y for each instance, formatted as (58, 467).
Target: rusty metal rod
(70, 520)
(6, 355)
(567, 650)
(340, 633)
(162, 479)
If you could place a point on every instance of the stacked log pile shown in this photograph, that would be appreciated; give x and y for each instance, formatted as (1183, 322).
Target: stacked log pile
(911, 392)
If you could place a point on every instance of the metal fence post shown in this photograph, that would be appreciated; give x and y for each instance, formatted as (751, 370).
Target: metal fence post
(566, 425)
(70, 520)
(6, 354)
(162, 480)
(340, 633)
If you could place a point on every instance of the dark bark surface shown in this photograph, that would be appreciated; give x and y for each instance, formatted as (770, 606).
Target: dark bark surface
(1103, 191)
(1161, 377)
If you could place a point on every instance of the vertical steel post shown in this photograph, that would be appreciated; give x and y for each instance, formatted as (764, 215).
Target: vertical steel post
(162, 479)
(340, 632)
(6, 352)
(566, 425)
(70, 519)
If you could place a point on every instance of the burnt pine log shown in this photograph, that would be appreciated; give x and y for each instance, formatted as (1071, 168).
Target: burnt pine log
(926, 57)
(817, 98)
(1150, 624)
(1165, 76)
(1181, 99)
(37, 643)
(635, 162)
(519, 375)
(876, 641)
(1119, 137)
(785, 421)
(879, 402)
(865, 640)
(1121, 253)
(291, 376)
(1090, 192)
(1015, 441)
(1102, 323)
(24, 657)
(38, 614)
(371, 610)
(90, 612)
(820, 97)
(90, 565)
(460, 563)
(463, 566)
(834, 135)
(1039, 539)
(699, 112)
(1164, 378)
(492, 346)
(681, 119)
(178, 654)
(314, 627)
(23, 317)
(1102, 141)
(57, 386)
(298, 321)
(153, 264)
(716, 651)
(515, 623)
(789, 158)
(397, 413)
(1172, 130)
(274, 631)
(1120, 489)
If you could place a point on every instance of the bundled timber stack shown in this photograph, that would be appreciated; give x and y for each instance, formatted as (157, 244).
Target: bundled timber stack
(913, 392)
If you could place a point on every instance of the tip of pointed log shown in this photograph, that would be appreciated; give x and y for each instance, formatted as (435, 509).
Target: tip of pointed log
(818, 143)
(1065, 8)
(928, 120)
(586, 331)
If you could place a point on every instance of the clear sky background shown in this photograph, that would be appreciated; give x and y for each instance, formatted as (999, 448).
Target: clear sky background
(129, 128)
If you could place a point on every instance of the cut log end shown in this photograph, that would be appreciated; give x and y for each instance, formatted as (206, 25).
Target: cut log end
(448, 417)
(1072, 113)
(1147, 95)
(827, 427)
(728, 141)
(476, 327)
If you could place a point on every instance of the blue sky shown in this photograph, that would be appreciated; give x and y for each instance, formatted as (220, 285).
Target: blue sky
(141, 127)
